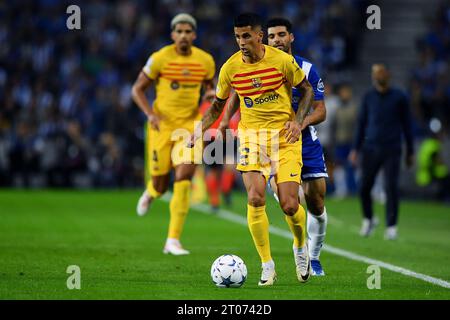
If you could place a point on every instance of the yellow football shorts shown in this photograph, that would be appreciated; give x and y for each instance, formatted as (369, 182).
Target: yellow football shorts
(167, 147)
(269, 153)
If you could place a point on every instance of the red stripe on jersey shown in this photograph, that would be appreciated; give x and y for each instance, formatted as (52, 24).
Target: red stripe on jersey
(182, 75)
(182, 80)
(262, 86)
(185, 64)
(237, 75)
(258, 92)
(181, 69)
(262, 78)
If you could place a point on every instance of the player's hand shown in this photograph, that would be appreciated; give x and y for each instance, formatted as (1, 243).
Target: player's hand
(293, 131)
(353, 157)
(409, 160)
(190, 142)
(154, 120)
(209, 95)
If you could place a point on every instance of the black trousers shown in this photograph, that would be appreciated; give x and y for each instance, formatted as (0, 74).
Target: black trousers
(372, 161)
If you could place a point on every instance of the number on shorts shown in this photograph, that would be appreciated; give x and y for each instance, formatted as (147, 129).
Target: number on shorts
(313, 132)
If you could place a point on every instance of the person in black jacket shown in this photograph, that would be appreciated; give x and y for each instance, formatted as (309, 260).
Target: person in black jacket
(383, 116)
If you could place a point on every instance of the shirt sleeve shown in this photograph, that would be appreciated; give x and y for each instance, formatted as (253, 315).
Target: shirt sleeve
(223, 85)
(211, 68)
(152, 67)
(317, 84)
(293, 73)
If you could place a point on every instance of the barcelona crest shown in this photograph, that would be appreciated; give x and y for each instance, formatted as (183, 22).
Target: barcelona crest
(256, 82)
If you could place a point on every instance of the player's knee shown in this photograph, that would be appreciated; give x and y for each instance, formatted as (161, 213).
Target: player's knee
(315, 204)
(289, 206)
(256, 200)
(184, 173)
(160, 185)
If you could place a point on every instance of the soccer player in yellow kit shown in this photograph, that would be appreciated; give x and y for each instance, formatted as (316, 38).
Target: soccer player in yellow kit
(263, 78)
(178, 71)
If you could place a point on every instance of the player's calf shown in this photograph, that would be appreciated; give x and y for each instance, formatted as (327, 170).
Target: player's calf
(317, 222)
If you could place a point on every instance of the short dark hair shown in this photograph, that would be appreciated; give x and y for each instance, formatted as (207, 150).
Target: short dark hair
(248, 19)
(276, 22)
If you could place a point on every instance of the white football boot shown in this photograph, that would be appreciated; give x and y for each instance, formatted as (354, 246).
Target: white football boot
(368, 226)
(268, 275)
(173, 246)
(302, 263)
(143, 204)
(391, 233)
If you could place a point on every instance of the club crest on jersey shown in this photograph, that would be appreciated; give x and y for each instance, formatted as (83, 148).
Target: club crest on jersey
(256, 82)
(320, 86)
(175, 85)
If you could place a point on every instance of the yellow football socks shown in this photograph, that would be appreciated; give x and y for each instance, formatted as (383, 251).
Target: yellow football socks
(258, 224)
(179, 206)
(297, 224)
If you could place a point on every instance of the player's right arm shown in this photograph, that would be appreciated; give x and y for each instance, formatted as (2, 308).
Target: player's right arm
(138, 90)
(149, 73)
(230, 110)
(223, 90)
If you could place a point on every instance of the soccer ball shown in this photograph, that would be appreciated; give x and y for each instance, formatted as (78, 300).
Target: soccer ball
(228, 271)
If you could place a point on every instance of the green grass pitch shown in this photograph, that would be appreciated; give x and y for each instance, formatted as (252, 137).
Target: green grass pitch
(120, 254)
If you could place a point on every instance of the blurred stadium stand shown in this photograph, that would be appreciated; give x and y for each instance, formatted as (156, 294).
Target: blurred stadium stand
(66, 116)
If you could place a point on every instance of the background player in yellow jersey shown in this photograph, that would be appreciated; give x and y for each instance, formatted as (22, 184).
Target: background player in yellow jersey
(178, 72)
(263, 78)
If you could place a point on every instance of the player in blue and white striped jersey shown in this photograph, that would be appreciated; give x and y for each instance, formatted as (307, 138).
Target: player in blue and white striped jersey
(314, 172)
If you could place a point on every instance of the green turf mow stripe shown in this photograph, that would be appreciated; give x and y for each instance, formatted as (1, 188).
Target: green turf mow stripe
(233, 217)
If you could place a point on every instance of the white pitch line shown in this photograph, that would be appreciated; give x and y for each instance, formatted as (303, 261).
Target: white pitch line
(231, 216)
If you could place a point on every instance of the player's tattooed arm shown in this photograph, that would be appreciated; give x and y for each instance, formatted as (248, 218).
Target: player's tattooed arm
(306, 101)
(210, 116)
(317, 116)
(230, 110)
(213, 113)
(294, 128)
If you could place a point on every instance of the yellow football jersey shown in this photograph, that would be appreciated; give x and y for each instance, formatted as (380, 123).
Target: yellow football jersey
(178, 81)
(264, 87)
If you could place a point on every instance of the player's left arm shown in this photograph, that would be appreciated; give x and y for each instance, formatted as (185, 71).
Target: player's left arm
(306, 101)
(317, 116)
(297, 78)
(294, 128)
(319, 111)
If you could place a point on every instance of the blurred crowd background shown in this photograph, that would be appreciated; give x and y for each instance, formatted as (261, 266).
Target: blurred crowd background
(66, 115)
